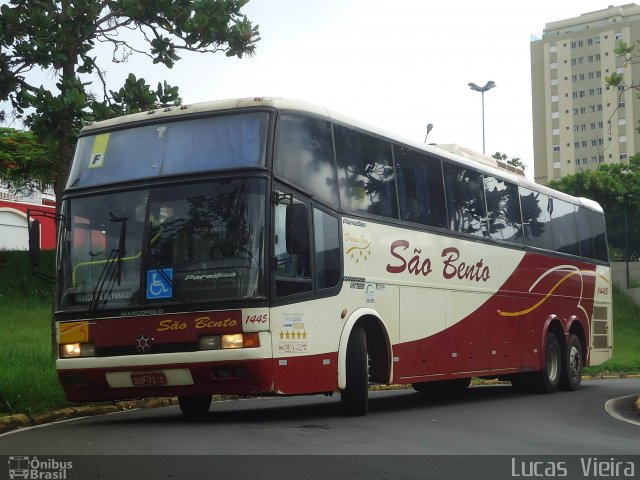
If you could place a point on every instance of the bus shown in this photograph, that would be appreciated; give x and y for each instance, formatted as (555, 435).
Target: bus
(266, 246)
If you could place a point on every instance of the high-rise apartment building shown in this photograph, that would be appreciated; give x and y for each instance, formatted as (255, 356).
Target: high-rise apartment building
(578, 122)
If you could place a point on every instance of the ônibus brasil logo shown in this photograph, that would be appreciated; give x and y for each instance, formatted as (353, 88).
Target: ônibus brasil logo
(40, 469)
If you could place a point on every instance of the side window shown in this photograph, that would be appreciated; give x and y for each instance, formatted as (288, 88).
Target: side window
(535, 218)
(327, 249)
(503, 210)
(599, 236)
(565, 232)
(304, 156)
(365, 173)
(420, 188)
(584, 232)
(465, 200)
(291, 258)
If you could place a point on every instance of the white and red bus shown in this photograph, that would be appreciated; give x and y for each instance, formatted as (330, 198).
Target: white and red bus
(269, 247)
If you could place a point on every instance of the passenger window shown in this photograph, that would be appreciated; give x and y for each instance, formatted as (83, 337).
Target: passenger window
(327, 249)
(565, 232)
(535, 218)
(503, 210)
(465, 200)
(420, 188)
(304, 156)
(599, 236)
(584, 232)
(365, 173)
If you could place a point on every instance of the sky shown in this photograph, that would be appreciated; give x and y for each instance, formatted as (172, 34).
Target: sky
(395, 64)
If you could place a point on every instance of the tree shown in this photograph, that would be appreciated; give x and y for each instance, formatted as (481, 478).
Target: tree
(25, 164)
(61, 35)
(616, 187)
(514, 162)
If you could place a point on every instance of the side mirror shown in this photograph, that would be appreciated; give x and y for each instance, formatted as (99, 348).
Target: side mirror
(297, 229)
(34, 243)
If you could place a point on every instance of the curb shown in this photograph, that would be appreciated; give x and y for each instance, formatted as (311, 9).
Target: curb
(20, 420)
(624, 409)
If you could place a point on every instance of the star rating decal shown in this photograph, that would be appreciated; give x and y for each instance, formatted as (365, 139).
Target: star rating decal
(293, 335)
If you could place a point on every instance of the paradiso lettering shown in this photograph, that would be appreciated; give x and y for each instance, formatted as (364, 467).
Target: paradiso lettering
(452, 265)
(200, 322)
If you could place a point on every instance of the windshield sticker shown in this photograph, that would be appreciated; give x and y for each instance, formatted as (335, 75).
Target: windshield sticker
(160, 283)
(99, 150)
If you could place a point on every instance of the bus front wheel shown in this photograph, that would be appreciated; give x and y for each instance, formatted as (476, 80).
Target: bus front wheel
(196, 405)
(355, 397)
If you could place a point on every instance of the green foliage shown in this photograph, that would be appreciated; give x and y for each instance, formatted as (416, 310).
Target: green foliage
(135, 96)
(17, 284)
(616, 187)
(61, 35)
(25, 163)
(626, 337)
(515, 161)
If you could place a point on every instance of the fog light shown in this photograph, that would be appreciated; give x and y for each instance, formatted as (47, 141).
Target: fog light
(75, 350)
(209, 343)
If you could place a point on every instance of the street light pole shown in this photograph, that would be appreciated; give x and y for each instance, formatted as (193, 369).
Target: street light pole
(429, 128)
(488, 86)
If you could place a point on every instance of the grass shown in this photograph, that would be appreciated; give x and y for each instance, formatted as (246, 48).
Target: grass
(626, 338)
(28, 380)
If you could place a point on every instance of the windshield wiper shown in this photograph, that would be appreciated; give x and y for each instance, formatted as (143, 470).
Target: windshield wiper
(110, 276)
(121, 244)
(107, 275)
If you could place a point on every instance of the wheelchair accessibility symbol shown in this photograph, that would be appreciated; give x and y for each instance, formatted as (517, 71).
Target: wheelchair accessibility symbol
(159, 283)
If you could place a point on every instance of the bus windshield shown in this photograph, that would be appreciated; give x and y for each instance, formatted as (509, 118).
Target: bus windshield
(170, 148)
(174, 243)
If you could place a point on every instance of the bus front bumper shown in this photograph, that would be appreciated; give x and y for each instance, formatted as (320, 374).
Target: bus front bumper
(254, 376)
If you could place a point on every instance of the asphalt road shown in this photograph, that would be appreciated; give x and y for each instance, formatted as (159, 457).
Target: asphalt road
(405, 435)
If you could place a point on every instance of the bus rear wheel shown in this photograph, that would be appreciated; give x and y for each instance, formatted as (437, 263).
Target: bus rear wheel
(355, 397)
(572, 364)
(548, 379)
(196, 405)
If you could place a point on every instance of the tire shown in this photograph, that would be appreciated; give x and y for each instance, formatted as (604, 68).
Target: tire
(442, 387)
(572, 364)
(195, 406)
(548, 379)
(355, 397)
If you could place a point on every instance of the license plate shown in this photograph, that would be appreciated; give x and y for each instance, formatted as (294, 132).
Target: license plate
(150, 379)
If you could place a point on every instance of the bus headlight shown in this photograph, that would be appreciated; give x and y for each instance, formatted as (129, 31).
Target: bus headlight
(76, 350)
(233, 340)
(229, 341)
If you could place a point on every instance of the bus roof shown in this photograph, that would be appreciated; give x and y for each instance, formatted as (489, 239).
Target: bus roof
(282, 103)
